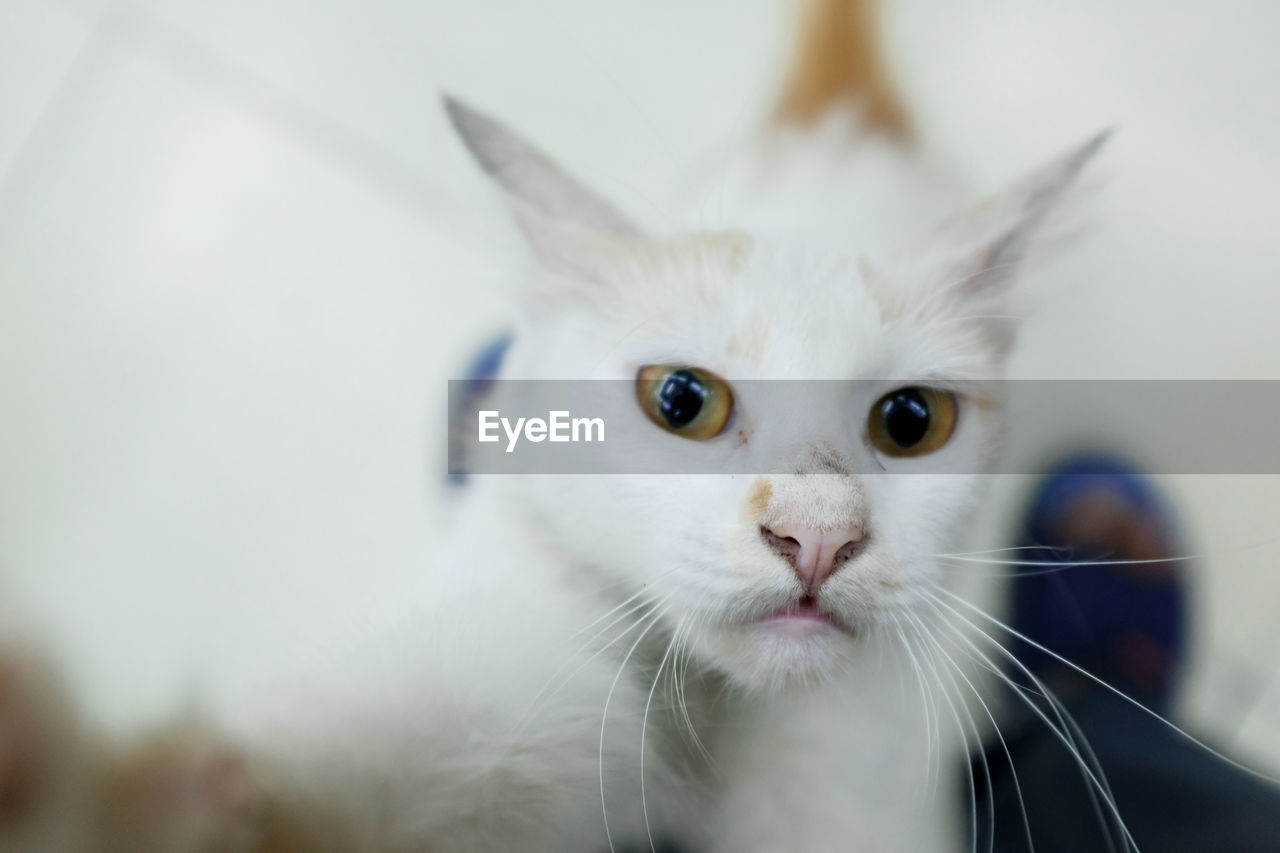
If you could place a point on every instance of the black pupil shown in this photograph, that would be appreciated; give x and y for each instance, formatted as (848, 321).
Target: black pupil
(906, 417)
(680, 398)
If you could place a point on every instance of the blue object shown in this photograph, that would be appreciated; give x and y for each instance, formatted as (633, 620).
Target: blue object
(1125, 624)
(480, 376)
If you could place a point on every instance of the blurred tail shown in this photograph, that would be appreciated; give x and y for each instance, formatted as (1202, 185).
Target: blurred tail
(838, 60)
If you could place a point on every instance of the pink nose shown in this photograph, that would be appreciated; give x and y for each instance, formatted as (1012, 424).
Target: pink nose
(814, 554)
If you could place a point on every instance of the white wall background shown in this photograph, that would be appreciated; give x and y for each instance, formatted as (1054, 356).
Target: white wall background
(239, 256)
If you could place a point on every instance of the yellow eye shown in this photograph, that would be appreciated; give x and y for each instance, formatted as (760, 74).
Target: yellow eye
(912, 421)
(688, 401)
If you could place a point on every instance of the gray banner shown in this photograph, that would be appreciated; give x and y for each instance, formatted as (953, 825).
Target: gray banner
(601, 427)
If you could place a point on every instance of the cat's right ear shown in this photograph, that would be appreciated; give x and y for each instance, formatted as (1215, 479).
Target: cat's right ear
(567, 226)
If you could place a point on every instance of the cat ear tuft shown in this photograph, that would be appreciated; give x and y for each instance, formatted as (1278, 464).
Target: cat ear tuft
(562, 219)
(983, 247)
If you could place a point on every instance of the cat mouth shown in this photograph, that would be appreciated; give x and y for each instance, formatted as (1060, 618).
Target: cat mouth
(804, 612)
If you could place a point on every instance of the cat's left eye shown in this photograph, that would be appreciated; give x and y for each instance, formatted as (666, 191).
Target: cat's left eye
(688, 401)
(912, 421)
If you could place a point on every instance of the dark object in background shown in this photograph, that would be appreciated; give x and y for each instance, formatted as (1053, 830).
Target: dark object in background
(1126, 622)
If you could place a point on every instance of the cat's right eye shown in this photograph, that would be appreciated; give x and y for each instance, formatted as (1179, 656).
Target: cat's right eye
(688, 401)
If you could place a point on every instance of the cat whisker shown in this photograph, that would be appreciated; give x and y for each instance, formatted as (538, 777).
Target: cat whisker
(643, 589)
(1027, 574)
(654, 617)
(1257, 774)
(1071, 563)
(541, 698)
(683, 702)
(964, 740)
(1001, 550)
(1056, 549)
(1051, 567)
(1004, 746)
(932, 707)
(644, 724)
(937, 735)
(1066, 730)
(926, 699)
(934, 649)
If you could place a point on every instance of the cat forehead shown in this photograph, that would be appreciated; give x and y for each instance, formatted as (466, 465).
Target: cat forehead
(753, 304)
(711, 262)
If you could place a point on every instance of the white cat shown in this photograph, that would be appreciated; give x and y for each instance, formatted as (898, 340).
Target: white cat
(719, 662)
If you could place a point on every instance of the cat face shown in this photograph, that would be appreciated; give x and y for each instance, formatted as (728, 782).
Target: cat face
(777, 576)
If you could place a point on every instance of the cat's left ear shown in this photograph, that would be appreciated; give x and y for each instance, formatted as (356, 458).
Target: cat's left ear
(567, 225)
(981, 249)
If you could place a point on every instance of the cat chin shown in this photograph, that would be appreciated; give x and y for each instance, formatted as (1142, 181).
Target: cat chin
(780, 653)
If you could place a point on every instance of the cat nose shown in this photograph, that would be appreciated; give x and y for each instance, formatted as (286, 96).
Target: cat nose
(814, 554)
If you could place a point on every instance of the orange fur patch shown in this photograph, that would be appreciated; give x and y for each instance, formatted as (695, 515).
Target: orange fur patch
(838, 58)
(757, 499)
(283, 831)
(748, 340)
(180, 788)
(730, 248)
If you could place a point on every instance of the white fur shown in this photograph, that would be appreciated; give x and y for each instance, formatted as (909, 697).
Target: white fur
(480, 715)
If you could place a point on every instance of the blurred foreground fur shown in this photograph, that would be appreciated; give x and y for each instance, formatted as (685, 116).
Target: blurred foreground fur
(65, 787)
